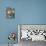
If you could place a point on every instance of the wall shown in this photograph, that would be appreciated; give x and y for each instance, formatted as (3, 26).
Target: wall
(27, 12)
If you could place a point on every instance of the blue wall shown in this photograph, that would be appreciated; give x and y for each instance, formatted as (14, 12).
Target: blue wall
(27, 12)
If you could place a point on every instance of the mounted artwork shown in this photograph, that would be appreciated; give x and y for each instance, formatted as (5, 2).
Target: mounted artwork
(32, 32)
